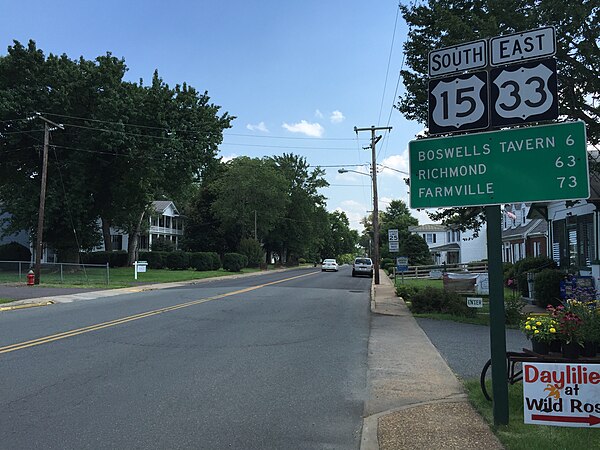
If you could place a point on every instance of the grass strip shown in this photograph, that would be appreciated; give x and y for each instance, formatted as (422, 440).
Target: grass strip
(520, 436)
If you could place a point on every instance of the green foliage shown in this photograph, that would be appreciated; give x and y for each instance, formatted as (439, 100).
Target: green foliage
(338, 237)
(114, 259)
(533, 265)
(432, 300)
(163, 245)
(253, 251)
(234, 262)
(177, 260)
(201, 261)
(346, 258)
(135, 137)
(406, 291)
(300, 261)
(14, 251)
(415, 247)
(513, 310)
(155, 260)
(547, 287)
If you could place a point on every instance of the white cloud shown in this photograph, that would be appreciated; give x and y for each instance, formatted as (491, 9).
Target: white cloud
(318, 114)
(309, 129)
(398, 162)
(337, 117)
(226, 159)
(355, 211)
(258, 127)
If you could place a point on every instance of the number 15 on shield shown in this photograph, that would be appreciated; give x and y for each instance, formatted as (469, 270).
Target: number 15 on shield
(458, 103)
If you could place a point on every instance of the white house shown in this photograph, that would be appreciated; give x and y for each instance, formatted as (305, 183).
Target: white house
(165, 222)
(451, 246)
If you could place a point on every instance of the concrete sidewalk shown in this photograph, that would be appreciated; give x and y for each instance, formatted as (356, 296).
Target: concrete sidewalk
(415, 401)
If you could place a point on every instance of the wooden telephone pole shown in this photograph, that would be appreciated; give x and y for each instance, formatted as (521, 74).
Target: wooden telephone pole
(374, 141)
(40, 228)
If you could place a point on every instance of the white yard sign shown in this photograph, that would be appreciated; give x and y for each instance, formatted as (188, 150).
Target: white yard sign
(566, 395)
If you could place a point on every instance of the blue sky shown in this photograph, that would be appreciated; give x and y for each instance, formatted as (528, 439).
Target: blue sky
(298, 75)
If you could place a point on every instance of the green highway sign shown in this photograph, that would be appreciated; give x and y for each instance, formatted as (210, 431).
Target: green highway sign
(532, 164)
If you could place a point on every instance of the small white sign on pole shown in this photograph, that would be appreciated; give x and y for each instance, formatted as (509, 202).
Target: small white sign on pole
(475, 302)
(566, 395)
(139, 267)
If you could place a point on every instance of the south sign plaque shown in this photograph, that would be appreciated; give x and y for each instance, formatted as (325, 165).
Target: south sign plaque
(542, 163)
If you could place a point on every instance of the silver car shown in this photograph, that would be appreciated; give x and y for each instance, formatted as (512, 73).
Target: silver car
(362, 266)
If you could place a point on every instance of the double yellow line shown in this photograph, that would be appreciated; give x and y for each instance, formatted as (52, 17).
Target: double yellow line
(112, 323)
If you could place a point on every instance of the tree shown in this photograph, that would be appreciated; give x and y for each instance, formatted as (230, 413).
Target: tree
(417, 250)
(435, 24)
(395, 217)
(120, 150)
(298, 229)
(340, 238)
(249, 188)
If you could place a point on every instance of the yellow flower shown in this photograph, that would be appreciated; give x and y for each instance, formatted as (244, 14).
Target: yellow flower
(534, 328)
(538, 323)
(536, 331)
(528, 327)
(552, 330)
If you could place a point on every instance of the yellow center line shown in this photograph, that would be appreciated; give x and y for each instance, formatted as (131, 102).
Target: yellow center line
(112, 323)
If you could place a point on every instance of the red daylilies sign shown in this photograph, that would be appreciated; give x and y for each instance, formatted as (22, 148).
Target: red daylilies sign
(566, 395)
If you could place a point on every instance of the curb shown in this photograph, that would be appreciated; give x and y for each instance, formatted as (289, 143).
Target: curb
(26, 305)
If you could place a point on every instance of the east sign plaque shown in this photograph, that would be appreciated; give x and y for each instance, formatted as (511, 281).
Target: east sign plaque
(542, 163)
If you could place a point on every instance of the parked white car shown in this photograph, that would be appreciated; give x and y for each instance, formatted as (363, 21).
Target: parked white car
(329, 264)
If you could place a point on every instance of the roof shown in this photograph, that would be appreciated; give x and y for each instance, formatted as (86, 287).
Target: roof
(428, 227)
(535, 227)
(160, 206)
(446, 248)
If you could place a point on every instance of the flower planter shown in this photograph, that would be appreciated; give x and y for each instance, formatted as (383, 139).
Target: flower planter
(571, 350)
(589, 349)
(555, 346)
(541, 348)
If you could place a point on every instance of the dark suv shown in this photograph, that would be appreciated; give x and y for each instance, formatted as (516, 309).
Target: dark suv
(362, 266)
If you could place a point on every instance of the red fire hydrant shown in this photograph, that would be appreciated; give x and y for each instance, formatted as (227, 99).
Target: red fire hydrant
(30, 278)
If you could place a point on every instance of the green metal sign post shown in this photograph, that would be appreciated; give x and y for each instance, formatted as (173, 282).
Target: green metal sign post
(541, 163)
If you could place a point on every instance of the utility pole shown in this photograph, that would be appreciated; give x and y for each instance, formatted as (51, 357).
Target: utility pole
(40, 228)
(374, 141)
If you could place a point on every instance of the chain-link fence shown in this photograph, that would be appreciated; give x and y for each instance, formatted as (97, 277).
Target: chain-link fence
(67, 273)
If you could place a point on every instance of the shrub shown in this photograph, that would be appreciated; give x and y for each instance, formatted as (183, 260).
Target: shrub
(163, 245)
(546, 287)
(513, 310)
(156, 260)
(406, 291)
(114, 259)
(177, 260)
(201, 261)
(530, 264)
(435, 300)
(252, 249)
(234, 262)
(300, 261)
(216, 261)
(14, 252)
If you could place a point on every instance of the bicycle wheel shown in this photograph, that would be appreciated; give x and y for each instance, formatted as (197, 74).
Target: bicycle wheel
(482, 378)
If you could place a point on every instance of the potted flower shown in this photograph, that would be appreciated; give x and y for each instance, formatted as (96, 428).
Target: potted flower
(541, 330)
(590, 327)
(569, 327)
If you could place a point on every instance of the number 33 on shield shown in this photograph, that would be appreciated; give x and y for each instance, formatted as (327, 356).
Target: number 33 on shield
(458, 103)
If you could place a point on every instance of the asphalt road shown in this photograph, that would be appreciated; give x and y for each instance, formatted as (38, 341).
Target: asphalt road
(466, 347)
(249, 363)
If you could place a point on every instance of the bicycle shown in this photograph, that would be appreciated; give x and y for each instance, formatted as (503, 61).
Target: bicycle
(514, 371)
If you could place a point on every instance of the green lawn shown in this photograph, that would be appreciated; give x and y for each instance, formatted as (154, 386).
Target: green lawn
(519, 436)
(120, 277)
